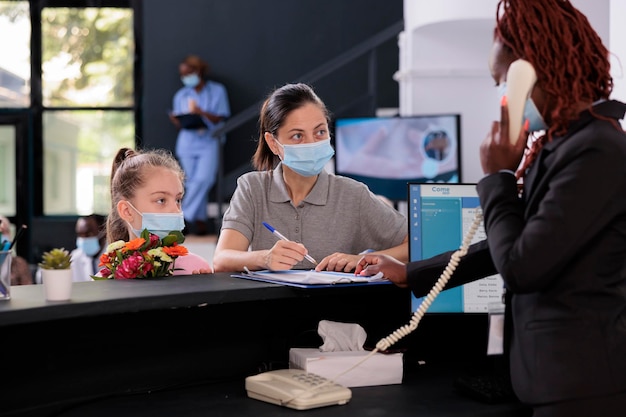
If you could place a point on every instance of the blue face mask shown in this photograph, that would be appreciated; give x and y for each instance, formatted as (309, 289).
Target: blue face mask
(191, 80)
(160, 224)
(535, 120)
(89, 245)
(307, 159)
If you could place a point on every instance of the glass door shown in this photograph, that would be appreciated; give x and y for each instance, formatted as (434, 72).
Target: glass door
(15, 183)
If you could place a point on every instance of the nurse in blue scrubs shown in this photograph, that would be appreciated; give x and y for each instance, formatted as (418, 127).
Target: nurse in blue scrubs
(196, 148)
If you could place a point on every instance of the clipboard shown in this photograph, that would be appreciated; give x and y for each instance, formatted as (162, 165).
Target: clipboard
(191, 121)
(311, 278)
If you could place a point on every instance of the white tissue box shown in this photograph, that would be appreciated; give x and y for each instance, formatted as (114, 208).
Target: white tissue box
(379, 369)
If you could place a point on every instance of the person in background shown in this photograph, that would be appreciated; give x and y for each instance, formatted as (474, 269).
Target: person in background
(146, 193)
(560, 245)
(20, 270)
(196, 148)
(90, 244)
(327, 217)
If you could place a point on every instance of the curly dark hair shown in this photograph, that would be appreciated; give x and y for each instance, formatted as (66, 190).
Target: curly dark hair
(571, 62)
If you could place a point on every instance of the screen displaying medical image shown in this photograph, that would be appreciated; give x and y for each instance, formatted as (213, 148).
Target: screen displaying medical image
(387, 152)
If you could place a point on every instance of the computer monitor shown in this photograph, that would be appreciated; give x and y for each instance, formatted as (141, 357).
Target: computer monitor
(439, 216)
(387, 152)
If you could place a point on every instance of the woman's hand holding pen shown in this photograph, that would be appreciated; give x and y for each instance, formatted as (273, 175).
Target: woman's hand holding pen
(284, 255)
(392, 269)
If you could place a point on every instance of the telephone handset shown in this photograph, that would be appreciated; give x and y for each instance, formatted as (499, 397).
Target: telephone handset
(520, 79)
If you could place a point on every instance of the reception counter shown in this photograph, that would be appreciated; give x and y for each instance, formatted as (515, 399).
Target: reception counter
(132, 347)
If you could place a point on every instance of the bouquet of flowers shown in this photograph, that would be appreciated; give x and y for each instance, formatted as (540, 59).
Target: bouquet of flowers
(144, 257)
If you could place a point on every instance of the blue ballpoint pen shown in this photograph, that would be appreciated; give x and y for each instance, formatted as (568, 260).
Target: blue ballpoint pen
(282, 237)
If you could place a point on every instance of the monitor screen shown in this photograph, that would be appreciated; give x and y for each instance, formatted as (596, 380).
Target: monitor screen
(439, 216)
(387, 152)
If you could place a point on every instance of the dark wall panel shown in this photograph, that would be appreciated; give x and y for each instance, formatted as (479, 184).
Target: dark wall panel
(253, 46)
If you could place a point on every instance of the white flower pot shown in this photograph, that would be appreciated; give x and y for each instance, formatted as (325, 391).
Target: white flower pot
(57, 284)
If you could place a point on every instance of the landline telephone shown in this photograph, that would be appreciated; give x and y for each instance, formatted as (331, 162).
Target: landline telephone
(301, 390)
(296, 388)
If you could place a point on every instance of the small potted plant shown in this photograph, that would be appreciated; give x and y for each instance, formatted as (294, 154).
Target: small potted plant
(58, 258)
(56, 274)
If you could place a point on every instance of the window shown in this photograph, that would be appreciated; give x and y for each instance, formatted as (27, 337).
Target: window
(15, 63)
(87, 57)
(7, 170)
(88, 100)
(79, 147)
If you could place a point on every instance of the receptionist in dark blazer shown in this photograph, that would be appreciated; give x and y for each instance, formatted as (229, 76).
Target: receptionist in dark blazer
(559, 243)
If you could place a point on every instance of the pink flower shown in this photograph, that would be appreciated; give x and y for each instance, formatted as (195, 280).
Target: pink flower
(130, 267)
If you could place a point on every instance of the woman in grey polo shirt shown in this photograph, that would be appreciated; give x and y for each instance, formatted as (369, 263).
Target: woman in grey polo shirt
(325, 218)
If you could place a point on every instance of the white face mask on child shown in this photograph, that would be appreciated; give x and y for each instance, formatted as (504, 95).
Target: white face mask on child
(160, 224)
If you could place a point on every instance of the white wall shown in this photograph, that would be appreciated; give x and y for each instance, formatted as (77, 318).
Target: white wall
(443, 63)
(617, 46)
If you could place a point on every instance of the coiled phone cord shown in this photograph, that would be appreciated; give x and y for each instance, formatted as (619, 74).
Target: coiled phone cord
(403, 331)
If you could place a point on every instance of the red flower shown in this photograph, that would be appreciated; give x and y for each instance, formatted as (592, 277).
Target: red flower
(154, 241)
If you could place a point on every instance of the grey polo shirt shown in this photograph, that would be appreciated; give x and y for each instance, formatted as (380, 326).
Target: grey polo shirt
(339, 215)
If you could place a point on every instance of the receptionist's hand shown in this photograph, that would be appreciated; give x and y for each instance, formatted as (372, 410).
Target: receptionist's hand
(284, 255)
(340, 262)
(392, 269)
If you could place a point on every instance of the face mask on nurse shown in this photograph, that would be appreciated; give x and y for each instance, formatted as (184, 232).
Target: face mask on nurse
(190, 80)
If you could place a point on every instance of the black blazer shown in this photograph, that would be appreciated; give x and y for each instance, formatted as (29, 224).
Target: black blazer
(561, 250)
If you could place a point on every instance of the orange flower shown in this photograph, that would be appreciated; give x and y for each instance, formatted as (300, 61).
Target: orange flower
(134, 244)
(175, 250)
(104, 259)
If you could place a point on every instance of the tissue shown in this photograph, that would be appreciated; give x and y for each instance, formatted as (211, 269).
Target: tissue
(343, 359)
(340, 337)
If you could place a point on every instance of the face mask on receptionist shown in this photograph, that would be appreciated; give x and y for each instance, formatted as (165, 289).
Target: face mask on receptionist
(535, 120)
(307, 159)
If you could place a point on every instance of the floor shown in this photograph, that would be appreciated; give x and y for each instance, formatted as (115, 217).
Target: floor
(201, 245)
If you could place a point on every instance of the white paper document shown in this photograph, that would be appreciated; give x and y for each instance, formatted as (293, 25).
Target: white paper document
(311, 277)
